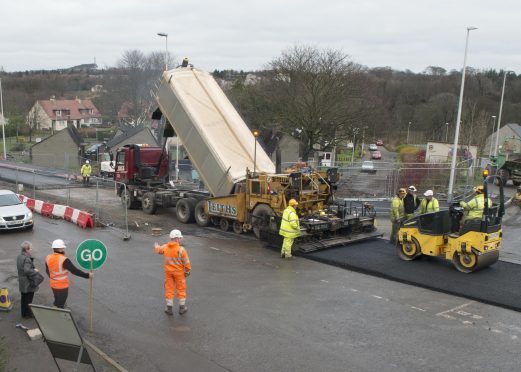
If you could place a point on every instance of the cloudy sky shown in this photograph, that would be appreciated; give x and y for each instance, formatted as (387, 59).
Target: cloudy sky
(245, 34)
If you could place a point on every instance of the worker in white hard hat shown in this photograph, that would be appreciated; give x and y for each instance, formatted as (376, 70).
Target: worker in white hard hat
(177, 267)
(411, 202)
(430, 203)
(86, 171)
(58, 267)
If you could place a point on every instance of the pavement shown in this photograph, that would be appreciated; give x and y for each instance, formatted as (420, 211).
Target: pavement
(249, 310)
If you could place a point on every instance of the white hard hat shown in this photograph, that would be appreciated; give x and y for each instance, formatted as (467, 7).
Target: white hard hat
(412, 188)
(428, 193)
(87, 162)
(175, 234)
(58, 243)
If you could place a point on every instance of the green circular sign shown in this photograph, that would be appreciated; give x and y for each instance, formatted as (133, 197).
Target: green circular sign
(91, 254)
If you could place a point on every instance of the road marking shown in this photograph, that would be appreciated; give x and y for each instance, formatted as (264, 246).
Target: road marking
(455, 309)
(416, 308)
(464, 313)
(215, 249)
(324, 281)
(380, 297)
(353, 290)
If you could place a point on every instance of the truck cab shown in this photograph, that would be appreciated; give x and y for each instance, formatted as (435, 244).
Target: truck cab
(141, 165)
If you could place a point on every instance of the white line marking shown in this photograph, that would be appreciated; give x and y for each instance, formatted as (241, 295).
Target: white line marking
(417, 308)
(353, 290)
(324, 281)
(496, 330)
(464, 313)
(455, 308)
(477, 316)
(215, 249)
(466, 322)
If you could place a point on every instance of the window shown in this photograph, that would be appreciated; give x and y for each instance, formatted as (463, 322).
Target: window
(58, 112)
(121, 159)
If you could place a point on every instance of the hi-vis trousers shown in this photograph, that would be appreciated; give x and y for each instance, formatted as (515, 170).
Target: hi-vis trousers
(175, 280)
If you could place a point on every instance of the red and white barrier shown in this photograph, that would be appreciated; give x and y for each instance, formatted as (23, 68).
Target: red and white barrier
(76, 216)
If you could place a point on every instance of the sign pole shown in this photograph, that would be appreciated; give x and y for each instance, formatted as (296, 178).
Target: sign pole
(90, 294)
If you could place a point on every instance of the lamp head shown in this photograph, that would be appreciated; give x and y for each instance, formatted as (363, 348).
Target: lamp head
(470, 28)
(256, 133)
(162, 34)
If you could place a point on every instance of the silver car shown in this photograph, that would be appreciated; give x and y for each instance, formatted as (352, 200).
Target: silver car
(13, 213)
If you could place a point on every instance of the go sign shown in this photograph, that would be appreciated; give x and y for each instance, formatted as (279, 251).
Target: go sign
(91, 254)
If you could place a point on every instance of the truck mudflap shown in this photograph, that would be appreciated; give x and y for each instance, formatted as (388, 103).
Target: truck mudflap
(310, 243)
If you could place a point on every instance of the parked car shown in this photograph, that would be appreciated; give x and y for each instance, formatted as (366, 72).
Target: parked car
(93, 150)
(368, 167)
(13, 213)
(377, 155)
(373, 147)
(379, 142)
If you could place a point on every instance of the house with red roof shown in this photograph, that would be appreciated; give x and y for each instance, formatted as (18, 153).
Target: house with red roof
(57, 114)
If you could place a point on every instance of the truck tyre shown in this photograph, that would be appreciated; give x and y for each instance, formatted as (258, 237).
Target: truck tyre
(148, 203)
(128, 199)
(259, 216)
(225, 224)
(185, 210)
(201, 218)
(237, 227)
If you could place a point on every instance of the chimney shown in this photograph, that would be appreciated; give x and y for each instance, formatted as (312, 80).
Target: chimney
(53, 98)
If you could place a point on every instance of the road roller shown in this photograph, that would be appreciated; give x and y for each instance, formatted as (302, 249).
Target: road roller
(470, 246)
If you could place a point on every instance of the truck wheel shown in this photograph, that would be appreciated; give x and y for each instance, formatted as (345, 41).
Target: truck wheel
(128, 199)
(225, 224)
(201, 218)
(184, 210)
(259, 217)
(148, 203)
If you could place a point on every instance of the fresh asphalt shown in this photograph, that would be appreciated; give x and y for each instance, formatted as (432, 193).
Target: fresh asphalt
(249, 311)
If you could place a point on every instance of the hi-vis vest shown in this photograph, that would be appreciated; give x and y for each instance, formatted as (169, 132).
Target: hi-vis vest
(475, 207)
(58, 275)
(175, 257)
(86, 170)
(397, 211)
(290, 225)
(433, 206)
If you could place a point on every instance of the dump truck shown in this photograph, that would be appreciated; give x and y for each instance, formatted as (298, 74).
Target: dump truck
(243, 191)
(507, 167)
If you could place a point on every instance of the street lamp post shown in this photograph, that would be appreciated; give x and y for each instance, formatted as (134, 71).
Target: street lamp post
(500, 111)
(492, 136)
(458, 120)
(162, 34)
(354, 147)
(363, 138)
(408, 127)
(255, 135)
(447, 133)
(2, 117)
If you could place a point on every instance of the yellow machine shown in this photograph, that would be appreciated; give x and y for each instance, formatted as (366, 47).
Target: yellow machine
(474, 246)
(258, 203)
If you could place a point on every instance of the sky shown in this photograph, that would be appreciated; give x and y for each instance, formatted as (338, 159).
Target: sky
(247, 35)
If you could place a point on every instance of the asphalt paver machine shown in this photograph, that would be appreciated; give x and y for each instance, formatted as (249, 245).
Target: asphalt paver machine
(472, 246)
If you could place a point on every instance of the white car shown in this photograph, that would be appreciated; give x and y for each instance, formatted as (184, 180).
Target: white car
(373, 147)
(13, 213)
(368, 167)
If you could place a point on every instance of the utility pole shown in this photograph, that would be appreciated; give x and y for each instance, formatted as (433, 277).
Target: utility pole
(3, 119)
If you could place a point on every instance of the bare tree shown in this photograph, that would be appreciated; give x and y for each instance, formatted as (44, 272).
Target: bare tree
(33, 120)
(317, 96)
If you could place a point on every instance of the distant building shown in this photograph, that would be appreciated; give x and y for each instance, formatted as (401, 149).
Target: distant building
(63, 150)
(55, 115)
(506, 132)
(133, 135)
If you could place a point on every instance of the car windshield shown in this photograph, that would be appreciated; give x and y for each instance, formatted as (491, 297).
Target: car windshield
(9, 199)
(367, 163)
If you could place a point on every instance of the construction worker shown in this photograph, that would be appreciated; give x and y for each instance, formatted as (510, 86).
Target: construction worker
(177, 268)
(289, 228)
(474, 208)
(430, 203)
(397, 213)
(517, 197)
(411, 202)
(58, 267)
(86, 170)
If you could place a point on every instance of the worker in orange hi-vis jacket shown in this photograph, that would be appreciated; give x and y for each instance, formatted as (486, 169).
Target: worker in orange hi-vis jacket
(177, 268)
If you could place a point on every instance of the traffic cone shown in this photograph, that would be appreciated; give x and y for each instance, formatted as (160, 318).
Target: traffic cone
(5, 300)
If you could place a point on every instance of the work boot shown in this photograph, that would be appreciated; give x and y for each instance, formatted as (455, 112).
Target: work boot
(182, 309)
(282, 255)
(169, 311)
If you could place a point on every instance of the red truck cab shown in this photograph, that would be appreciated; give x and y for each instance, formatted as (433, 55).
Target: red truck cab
(141, 164)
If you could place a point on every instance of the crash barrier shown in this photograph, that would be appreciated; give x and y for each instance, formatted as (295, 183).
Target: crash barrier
(76, 216)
